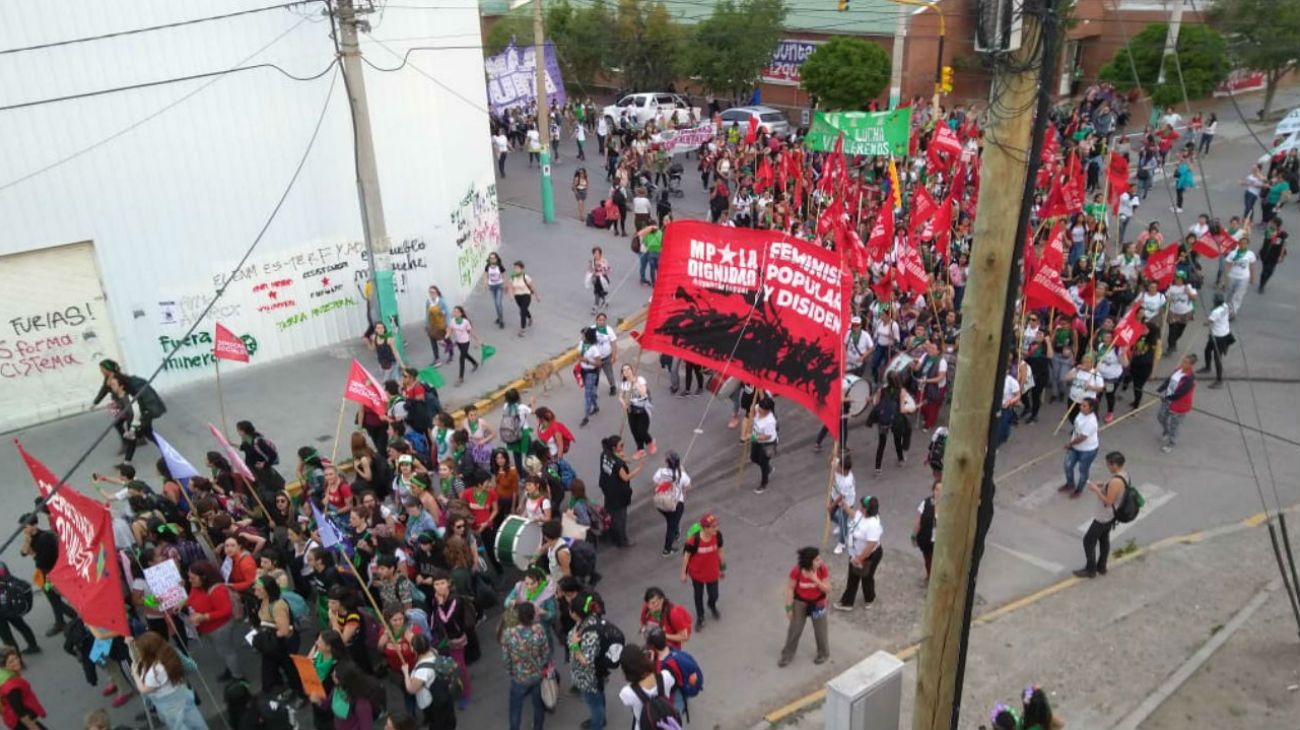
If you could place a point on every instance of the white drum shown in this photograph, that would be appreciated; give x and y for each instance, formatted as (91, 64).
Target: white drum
(518, 541)
(857, 393)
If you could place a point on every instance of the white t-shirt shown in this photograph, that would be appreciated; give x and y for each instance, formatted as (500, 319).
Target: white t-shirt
(1127, 202)
(459, 330)
(535, 509)
(602, 128)
(1085, 425)
(856, 349)
(496, 276)
(863, 530)
(886, 333)
(501, 144)
(765, 428)
(1151, 305)
(1180, 298)
(641, 205)
(1110, 366)
(607, 336)
(155, 678)
(1219, 326)
(1010, 389)
(634, 396)
(1083, 382)
(1239, 263)
(846, 487)
(534, 141)
(426, 674)
(591, 356)
(580, 133)
(628, 697)
(679, 485)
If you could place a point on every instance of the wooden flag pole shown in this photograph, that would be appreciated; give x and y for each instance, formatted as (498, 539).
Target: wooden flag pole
(338, 429)
(221, 398)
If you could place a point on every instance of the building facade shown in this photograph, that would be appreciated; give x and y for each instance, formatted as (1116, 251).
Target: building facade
(126, 212)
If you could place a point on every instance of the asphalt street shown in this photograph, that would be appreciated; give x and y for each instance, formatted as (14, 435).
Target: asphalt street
(1035, 536)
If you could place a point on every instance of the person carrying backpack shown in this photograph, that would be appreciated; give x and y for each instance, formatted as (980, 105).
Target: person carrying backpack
(648, 692)
(595, 648)
(434, 692)
(687, 675)
(1109, 495)
(15, 602)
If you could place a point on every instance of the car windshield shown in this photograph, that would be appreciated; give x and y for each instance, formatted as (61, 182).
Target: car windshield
(772, 117)
(626, 101)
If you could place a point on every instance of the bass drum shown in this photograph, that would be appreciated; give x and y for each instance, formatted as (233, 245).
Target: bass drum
(857, 394)
(518, 541)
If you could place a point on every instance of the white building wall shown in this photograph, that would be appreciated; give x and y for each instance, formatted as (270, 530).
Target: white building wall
(170, 198)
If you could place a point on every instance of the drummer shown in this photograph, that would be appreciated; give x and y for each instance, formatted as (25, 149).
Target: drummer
(857, 348)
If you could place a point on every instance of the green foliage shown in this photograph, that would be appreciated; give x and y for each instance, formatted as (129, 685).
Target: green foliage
(1261, 34)
(845, 73)
(1202, 55)
(517, 24)
(647, 45)
(730, 47)
(580, 35)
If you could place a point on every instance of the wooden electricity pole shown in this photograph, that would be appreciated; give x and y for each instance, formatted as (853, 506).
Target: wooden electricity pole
(999, 222)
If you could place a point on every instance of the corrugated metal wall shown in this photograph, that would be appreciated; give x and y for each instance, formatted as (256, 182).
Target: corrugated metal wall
(173, 182)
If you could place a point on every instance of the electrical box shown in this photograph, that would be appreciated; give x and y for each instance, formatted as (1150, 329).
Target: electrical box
(998, 25)
(868, 696)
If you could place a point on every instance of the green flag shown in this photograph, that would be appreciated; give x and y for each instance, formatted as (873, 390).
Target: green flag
(431, 377)
(485, 351)
(865, 133)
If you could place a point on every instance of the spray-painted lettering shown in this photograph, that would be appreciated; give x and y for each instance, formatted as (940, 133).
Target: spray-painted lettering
(72, 316)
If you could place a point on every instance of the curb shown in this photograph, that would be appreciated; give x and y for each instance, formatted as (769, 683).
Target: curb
(496, 397)
(905, 654)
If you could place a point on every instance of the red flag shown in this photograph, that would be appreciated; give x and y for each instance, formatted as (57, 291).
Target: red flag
(763, 179)
(1088, 293)
(1161, 264)
(1051, 146)
(1117, 175)
(364, 389)
(751, 131)
(884, 287)
(87, 574)
(832, 215)
(923, 208)
(783, 171)
(1210, 246)
(765, 307)
(1073, 188)
(942, 228)
(233, 455)
(945, 140)
(912, 274)
(1046, 290)
(1054, 251)
(958, 181)
(1030, 257)
(855, 251)
(228, 346)
(1129, 329)
(882, 233)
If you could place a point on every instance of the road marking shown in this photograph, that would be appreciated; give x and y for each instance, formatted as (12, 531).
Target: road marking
(1040, 496)
(1156, 497)
(1034, 560)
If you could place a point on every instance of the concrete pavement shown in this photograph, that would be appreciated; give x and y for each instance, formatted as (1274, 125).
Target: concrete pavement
(1035, 537)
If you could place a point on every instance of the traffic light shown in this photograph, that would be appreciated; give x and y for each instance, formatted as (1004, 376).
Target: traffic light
(844, 6)
(945, 80)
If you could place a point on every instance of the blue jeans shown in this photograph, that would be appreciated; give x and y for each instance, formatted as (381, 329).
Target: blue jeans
(653, 260)
(520, 692)
(841, 518)
(178, 711)
(644, 261)
(1084, 461)
(596, 707)
(497, 291)
(879, 358)
(1004, 432)
(590, 382)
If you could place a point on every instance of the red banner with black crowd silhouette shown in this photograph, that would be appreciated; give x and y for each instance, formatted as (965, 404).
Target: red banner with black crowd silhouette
(757, 305)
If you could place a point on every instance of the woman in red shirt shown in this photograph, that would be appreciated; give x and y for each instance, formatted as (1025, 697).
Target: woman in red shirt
(338, 495)
(212, 611)
(805, 598)
(397, 651)
(704, 560)
(673, 619)
(243, 569)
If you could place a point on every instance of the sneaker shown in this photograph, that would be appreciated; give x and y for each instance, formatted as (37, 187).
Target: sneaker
(783, 662)
(1216, 385)
(817, 448)
(735, 421)
(1085, 573)
(653, 448)
(1101, 570)
(841, 607)
(1109, 417)
(109, 691)
(585, 421)
(1166, 449)
(699, 623)
(714, 610)
(835, 530)
(839, 548)
(122, 699)
(760, 489)
(638, 454)
(33, 649)
(54, 630)
(612, 391)
(822, 659)
(877, 472)
(669, 552)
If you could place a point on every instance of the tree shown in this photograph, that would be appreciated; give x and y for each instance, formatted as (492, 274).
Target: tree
(845, 73)
(730, 47)
(1262, 35)
(647, 45)
(1202, 55)
(517, 25)
(581, 37)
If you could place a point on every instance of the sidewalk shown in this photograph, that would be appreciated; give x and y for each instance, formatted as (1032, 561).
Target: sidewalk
(1101, 647)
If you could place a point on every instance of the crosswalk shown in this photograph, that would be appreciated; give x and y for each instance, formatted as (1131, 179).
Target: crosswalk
(1156, 497)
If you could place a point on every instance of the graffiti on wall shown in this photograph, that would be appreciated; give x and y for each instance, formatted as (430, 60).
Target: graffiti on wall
(53, 339)
(291, 287)
(195, 351)
(407, 258)
(477, 226)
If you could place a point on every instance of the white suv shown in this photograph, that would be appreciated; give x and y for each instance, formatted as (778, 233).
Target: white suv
(641, 108)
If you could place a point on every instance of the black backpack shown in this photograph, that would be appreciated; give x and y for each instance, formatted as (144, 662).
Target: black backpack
(610, 656)
(582, 559)
(1130, 503)
(15, 597)
(657, 712)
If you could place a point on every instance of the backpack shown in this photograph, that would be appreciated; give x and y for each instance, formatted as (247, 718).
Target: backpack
(512, 426)
(582, 559)
(445, 669)
(1130, 503)
(299, 614)
(658, 711)
(601, 522)
(938, 444)
(267, 450)
(687, 672)
(236, 602)
(665, 500)
(191, 552)
(15, 597)
(610, 655)
(564, 472)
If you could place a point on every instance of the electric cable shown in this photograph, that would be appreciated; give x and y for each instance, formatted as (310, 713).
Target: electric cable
(221, 290)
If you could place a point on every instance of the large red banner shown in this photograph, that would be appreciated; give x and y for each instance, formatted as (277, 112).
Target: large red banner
(364, 389)
(87, 573)
(761, 306)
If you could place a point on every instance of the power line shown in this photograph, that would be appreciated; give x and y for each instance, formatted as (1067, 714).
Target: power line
(151, 28)
(227, 281)
(134, 125)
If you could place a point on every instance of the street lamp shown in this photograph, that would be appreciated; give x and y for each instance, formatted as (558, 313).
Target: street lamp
(941, 80)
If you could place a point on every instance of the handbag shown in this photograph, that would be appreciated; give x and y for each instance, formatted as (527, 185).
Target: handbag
(550, 687)
(636, 244)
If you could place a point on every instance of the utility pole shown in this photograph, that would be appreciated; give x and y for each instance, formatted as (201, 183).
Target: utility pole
(543, 112)
(896, 61)
(372, 204)
(1171, 38)
(966, 508)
